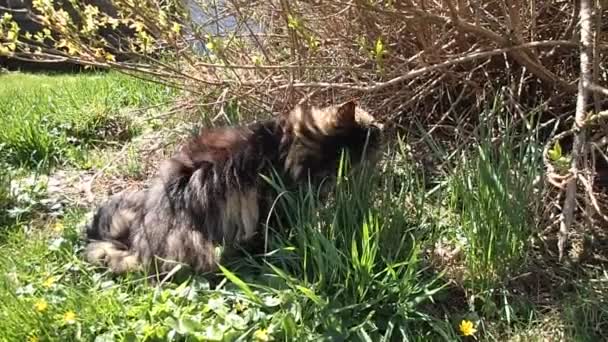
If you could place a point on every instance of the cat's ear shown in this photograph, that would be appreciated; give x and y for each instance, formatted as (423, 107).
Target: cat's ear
(345, 116)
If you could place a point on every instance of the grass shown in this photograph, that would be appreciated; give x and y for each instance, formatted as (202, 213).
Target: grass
(492, 192)
(356, 266)
(53, 119)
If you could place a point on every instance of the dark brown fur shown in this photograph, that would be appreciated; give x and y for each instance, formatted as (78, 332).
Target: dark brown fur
(210, 193)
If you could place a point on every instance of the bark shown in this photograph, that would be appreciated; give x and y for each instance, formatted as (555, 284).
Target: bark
(580, 138)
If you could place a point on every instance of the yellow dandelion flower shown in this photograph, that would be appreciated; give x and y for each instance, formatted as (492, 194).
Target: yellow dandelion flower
(49, 282)
(33, 338)
(69, 317)
(41, 305)
(261, 335)
(466, 328)
(58, 227)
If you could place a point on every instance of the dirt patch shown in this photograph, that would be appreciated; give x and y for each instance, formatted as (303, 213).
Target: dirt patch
(88, 188)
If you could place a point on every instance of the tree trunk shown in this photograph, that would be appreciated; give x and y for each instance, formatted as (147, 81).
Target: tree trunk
(580, 138)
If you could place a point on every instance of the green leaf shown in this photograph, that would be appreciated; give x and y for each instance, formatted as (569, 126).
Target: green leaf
(271, 301)
(310, 294)
(188, 325)
(212, 333)
(363, 335)
(293, 22)
(236, 321)
(240, 284)
(556, 152)
(379, 48)
(289, 326)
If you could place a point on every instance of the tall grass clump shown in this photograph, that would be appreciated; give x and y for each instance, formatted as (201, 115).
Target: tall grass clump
(493, 191)
(351, 255)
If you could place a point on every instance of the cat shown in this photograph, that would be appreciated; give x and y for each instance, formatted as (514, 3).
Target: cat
(210, 193)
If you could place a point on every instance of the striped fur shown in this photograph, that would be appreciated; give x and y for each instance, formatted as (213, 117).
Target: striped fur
(210, 193)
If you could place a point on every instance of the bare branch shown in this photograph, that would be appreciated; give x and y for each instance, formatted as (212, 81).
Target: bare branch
(417, 72)
(521, 57)
(14, 10)
(597, 89)
(580, 117)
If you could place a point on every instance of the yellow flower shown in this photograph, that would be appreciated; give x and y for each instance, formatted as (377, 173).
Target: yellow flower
(11, 36)
(176, 28)
(110, 57)
(33, 338)
(240, 306)
(466, 328)
(261, 335)
(58, 227)
(69, 317)
(41, 305)
(49, 282)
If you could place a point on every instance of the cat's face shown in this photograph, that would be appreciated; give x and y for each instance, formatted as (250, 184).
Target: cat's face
(320, 135)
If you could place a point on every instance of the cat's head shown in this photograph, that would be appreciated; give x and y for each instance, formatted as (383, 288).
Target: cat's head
(318, 136)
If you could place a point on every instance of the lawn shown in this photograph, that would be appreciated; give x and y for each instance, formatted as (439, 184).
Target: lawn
(49, 120)
(394, 256)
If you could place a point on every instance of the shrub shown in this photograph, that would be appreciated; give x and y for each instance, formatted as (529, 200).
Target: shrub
(401, 58)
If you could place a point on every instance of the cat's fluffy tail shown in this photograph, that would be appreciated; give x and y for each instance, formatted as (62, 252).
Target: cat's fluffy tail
(109, 233)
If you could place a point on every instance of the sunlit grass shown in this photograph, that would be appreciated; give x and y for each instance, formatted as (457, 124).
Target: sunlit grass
(350, 266)
(494, 192)
(53, 119)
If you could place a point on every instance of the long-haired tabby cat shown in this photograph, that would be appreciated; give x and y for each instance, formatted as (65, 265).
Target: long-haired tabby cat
(210, 192)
